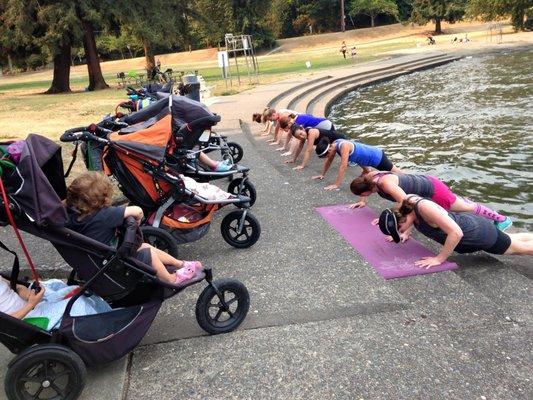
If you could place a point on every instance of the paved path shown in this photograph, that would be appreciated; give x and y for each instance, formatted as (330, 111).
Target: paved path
(322, 323)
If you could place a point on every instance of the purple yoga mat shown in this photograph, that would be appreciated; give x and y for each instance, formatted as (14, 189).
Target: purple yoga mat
(391, 260)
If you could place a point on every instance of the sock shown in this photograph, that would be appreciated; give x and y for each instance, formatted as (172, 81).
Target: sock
(486, 212)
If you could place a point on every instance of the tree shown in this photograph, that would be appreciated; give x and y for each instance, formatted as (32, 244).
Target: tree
(159, 22)
(90, 13)
(372, 8)
(405, 9)
(438, 11)
(489, 10)
(29, 27)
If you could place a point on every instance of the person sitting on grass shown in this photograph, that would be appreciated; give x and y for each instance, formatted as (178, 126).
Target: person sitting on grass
(460, 232)
(46, 307)
(90, 213)
(351, 152)
(395, 187)
(312, 136)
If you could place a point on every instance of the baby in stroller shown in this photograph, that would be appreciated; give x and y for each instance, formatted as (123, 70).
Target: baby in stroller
(90, 213)
(46, 307)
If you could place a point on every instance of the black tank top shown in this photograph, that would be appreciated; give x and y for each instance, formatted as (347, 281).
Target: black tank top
(330, 134)
(478, 233)
(410, 184)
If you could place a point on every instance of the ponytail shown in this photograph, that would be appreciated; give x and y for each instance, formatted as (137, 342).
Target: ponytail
(406, 207)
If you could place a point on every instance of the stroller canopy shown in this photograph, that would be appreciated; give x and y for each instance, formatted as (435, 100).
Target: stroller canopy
(182, 109)
(38, 183)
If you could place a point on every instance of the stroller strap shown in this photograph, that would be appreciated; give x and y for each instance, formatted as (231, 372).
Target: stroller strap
(15, 269)
(17, 234)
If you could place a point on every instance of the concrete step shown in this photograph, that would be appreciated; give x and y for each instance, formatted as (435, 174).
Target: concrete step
(321, 102)
(277, 102)
(299, 98)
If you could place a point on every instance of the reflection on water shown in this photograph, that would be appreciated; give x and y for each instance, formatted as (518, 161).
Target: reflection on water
(468, 122)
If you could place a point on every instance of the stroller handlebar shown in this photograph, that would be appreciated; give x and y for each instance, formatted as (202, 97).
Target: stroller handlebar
(201, 123)
(85, 134)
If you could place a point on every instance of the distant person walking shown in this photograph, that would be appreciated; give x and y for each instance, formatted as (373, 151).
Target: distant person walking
(354, 53)
(344, 49)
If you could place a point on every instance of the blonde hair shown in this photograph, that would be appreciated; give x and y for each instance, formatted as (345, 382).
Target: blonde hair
(267, 113)
(89, 192)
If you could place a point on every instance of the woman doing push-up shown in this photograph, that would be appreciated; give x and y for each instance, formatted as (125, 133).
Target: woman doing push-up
(395, 187)
(460, 232)
(351, 152)
(312, 136)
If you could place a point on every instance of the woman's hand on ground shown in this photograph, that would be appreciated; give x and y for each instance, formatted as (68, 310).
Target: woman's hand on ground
(280, 148)
(331, 187)
(274, 143)
(359, 204)
(428, 262)
(319, 177)
(298, 168)
(287, 153)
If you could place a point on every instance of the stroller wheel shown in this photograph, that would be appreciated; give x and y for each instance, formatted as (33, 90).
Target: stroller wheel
(225, 313)
(236, 151)
(248, 189)
(160, 239)
(46, 371)
(244, 237)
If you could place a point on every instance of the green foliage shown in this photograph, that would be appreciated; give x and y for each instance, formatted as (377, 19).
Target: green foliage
(438, 10)
(372, 8)
(280, 18)
(322, 15)
(405, 9)
(489, 10)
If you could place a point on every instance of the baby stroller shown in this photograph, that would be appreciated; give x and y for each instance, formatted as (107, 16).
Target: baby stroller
(143, 97)
(51, 364)
(147, 116)
(148, 174)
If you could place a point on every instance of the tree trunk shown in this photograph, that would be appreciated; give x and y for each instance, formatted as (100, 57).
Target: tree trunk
(372, 17)
(61, 80)
(9, 64)
(438, 28)
(149, 57)
(96, 79)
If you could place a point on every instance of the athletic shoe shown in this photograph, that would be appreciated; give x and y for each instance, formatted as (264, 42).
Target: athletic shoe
(223, 166)
(504, 225)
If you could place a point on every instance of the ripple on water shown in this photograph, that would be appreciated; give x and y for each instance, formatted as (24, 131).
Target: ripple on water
(468, 122)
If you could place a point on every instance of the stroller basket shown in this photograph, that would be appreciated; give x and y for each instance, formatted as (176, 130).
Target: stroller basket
(102, 338)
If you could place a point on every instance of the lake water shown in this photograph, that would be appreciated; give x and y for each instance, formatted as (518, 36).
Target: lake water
(469, 122)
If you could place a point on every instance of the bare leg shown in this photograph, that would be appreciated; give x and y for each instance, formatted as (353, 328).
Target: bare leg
(207, 161)
(165, 258)
(160, 270)
(521, 244)
(460, 205)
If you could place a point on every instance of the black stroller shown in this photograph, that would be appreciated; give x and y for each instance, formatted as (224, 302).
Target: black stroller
(188, 111)
(51, 364)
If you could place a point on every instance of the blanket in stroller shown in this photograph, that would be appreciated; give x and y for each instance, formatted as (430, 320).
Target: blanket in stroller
(53, 304)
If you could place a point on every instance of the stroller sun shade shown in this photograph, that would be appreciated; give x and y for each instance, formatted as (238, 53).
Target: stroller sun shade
(37, 184)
